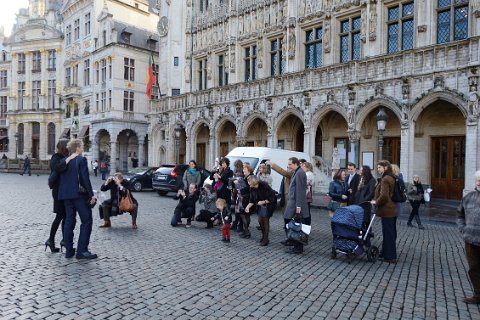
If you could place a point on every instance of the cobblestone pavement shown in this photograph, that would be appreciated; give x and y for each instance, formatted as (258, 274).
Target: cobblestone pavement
(160, 272)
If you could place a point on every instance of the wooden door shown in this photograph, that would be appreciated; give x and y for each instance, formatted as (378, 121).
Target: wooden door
(392, 149)
(448, 167)
(224, 149)
(35, 148)
(201, 154)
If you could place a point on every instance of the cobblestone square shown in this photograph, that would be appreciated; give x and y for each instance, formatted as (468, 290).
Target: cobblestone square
(160, 272)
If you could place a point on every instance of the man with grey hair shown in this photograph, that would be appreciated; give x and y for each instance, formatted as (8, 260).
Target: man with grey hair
(469, 224)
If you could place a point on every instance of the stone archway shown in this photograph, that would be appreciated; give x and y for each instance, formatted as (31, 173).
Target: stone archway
(102, 139)
(180, 144)
(290, 133)
(439, 154)
(256, 133)
(331, 129)
(202, 144)
(127, 153)
(227, 137)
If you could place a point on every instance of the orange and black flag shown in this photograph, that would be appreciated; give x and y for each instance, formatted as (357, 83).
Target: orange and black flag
(150, 77)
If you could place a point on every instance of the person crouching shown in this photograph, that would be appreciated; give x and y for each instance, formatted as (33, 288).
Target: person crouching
(225, 217)
(208, 198)
(186, 206)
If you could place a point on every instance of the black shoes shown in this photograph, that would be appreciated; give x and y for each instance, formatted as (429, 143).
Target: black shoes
(50, 244)
(287, 243)
(86, 255)
(226, 240)
(69, 253)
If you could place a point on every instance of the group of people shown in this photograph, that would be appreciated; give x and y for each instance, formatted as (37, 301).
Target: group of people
(237, 194)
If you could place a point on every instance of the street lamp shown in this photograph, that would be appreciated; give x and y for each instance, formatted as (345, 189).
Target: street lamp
(178, 131)
(381, 124)
(16, 144)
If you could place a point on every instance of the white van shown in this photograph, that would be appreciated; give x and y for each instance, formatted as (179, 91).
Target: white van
(256, 155)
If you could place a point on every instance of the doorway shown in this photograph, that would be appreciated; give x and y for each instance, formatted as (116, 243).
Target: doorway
(201, 154)
(448, 167)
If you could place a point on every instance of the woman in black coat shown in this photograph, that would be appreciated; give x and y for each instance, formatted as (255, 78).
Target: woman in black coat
(221, 181)
(261, 195)
(365, 192)
(54, 183)
(118, 189)
(244, 191)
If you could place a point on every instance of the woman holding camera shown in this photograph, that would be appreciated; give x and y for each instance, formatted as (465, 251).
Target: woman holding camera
(118, 189)
(221, 179)
(244, 198)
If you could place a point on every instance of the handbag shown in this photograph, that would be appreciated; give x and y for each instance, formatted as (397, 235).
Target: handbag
(81, 190)
(263, 212)
(295, 232)
(126, 203)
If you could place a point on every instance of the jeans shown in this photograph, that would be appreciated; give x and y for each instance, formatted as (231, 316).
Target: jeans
(179, 213)
(26, 168)
(415, 212)
(389, 245)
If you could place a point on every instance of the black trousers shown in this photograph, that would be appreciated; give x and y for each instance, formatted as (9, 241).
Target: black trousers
(415, 212)
(473, 259)
(389, 245)
(59, 219)
(206, 216)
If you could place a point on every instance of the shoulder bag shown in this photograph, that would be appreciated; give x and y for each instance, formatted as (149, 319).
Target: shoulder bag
(126, 203)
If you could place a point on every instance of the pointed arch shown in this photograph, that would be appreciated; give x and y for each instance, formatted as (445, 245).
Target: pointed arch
(430, 98)
(390, 104)
(323, 110)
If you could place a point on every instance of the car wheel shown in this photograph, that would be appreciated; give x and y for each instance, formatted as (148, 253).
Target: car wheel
(162, 193)
(137, 186)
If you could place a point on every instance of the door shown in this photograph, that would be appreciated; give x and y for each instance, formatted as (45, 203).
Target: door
(224, 149)
(35, 147)
(448, 167)
(392, 149)
(201, 154)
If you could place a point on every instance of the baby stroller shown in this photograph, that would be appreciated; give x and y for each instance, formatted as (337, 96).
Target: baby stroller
(352, 233)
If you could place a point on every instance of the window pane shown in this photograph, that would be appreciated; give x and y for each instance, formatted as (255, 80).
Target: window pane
(273, 69)
(344, 49)
(393, 13)
(444, 3)
(407, 35)
(443, 27)
(356, 46)
(318, 56)
(344, 26)
(274, 45)
(247, 52)
(356, 23)
(309, 36)
(407, 9)
(393, 38)
(309, 56)
(254, 66)
(461, 23)
(319, 33)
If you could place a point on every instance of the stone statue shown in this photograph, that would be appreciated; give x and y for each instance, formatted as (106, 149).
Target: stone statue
(373, 21)
(404, 120)
(363, 27)
(473, 106)
(247, 23)
(335, 159)
(351, 117)
(209, 69)
(285, 9)
(232, 60)
(292, 43)
(240, 25)
(254, 21)
(308, 7)
(302, 8)
(260, 19)
(260, 53)
(186, 71)
(326, 35)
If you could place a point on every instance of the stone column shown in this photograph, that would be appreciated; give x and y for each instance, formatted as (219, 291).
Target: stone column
(471, 153)
(113, 154)
(42, 153)
(44, 78)
(95, 145)
(141, 151)
(27, 138)
(407, 140)
(307, 141)
(212, 145)
(58, 77)
(270, 138)
(27, 101)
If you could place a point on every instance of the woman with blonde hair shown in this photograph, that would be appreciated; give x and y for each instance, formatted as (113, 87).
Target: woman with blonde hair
(308, 168)
(263, 174)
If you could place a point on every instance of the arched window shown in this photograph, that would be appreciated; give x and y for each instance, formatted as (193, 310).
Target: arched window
(75, 110)
(20, 138)
(4, 56)
(51, 138)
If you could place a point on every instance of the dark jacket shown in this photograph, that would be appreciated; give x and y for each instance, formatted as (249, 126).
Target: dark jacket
(415, 192)
(225, 216)
(336, 189)
(263, 192)
(297, 195)
(468, 218)
(245, 192)
(224, 192)
(208, 199)
(353, 185)
(365, 193)
(116, 194)
(188, 202)
(386, 208)
(69, 180)
(54, 182)
(26, 163)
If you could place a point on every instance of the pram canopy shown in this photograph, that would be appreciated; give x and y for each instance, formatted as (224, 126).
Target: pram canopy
(350, 216)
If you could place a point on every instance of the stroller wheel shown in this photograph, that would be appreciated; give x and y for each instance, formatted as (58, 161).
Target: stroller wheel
(334, 253)
(372, 253)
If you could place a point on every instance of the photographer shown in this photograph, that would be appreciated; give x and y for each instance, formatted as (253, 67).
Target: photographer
(118, 189)
(186, 206)
(208, 198)
(221, 179)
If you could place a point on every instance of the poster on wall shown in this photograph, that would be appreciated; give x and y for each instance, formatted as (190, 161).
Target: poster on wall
(367, 159)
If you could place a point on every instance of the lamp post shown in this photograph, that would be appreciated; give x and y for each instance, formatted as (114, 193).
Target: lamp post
(178, 131)
(16, 144)
(381, 124)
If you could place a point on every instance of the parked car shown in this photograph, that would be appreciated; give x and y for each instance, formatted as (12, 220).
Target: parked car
(140, 178)
(169, 177)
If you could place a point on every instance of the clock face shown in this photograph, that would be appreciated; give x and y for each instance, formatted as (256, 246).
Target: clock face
(163, 26)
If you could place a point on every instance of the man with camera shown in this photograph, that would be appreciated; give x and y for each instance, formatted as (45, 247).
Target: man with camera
(208, 198)
(186, 206)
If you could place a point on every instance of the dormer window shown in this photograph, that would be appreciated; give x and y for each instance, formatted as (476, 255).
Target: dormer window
(125, 36)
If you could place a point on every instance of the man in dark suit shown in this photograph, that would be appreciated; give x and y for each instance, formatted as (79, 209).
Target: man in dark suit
(352, 181)
(76, 175)
(297, 199)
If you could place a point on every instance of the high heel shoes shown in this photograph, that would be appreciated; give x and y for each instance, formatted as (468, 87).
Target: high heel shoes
(62, 244)
(50, 244)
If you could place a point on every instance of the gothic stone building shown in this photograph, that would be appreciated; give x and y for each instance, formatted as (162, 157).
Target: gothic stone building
(312, 76)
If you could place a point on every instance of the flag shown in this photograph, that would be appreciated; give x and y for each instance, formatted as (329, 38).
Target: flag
(150, 77)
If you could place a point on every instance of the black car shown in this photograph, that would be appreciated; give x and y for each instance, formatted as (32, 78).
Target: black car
(169, 177)
(140, 178)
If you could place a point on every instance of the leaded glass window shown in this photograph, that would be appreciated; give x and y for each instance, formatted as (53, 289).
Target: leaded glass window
(314, 48)
(452, 20)
(250, 60)
(350, 39)
(400, 27)
(277, 60)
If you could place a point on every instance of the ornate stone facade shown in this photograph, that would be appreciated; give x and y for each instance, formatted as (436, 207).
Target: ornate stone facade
(334, 103)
